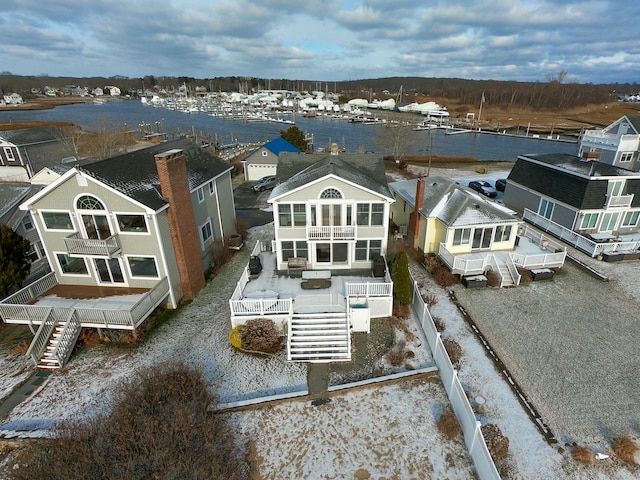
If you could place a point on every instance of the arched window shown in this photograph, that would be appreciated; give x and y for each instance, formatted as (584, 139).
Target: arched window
(87, 202)
(331, 193)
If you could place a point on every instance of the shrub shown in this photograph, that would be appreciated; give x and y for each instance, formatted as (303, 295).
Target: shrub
(626, 449)
(431, 263)
(497, 443)
(235, 337)
(431, 300)
(454, 350)
(397, 355)
(242, 227)
(525, 275)
(582, 454)
(401, 278)
(261, 335)
(400, 311)
(448, 425)
(221, 254)
(159, 428)
(493, 280)
(437, 321)
(444, 277)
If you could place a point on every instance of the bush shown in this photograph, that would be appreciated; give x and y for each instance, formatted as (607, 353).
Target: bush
(493, 280)
(159, 428)
(448, 425)
(582, 454)
(444, 277)
(497, 443)
(454, 350)
(525, 275)
(261, 335)
(400, 311)
(235, 337)
(431, 263)
(626, 449)
(401, 278)
(431, 300)
(437, 321)
(397, 355)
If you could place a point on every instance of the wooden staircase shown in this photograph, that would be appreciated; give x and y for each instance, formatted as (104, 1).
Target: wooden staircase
(505, 274)
(54, 341)
(319, 337)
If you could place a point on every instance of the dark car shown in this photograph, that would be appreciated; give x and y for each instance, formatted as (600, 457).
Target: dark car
(501, 183)
(264, 183)
(483, 187)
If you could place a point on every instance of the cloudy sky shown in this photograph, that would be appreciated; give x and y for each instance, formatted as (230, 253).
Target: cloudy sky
(594, 41)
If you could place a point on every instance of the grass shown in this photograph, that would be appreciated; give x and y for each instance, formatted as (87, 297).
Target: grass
(582, 454)
(448, 425)
(626, 449)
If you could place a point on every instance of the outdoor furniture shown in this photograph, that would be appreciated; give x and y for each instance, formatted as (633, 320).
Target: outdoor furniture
(311, 274)
(296, 264)
(315, 283)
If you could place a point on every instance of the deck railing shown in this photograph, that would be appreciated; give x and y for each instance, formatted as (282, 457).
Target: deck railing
(67, 339)
(261, 306)
(76, 245)
(619, 201)
(465, 266)
(41, 339)
(337, 232)
(369, 289)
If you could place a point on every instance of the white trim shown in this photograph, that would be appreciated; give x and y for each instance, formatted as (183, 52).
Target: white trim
(99, 281)
(63, 274)
(205, 243)
(144, 216)
(163, 258)
(71, 214)
(130, 273)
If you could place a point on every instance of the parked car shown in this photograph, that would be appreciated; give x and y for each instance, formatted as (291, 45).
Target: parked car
(501, 183)
(264, 183)
(483, 187)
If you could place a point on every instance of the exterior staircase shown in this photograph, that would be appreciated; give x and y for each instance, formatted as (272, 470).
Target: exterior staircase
(54, 341)
(507, 279)
(318, 338)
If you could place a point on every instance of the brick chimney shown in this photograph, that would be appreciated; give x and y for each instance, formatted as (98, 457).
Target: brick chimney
(414, 218)
(174, 183)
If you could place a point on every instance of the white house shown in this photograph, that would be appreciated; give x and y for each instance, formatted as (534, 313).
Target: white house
(617, 144)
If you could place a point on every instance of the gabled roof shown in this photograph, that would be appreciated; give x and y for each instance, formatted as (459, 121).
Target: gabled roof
(134, 174)
(29, 136)
(453, 204)
(364, 169)
(280, 145)
(634, 121)
(578, 166)
(11, 195)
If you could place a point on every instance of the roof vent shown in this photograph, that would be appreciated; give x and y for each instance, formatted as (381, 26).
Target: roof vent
(476, 205)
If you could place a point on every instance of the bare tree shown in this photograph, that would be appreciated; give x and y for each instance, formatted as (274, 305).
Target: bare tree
(396, 140)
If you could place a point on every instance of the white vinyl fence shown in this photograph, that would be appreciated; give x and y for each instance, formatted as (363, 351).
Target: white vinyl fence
(460, 403)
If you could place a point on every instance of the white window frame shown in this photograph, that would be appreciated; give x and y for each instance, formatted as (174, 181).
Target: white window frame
(47, 229)
(62, 272)
(546, 207)
(626, 157)
(206, 241)
(27, 220)
(589, 220)
(212, 188)
(127, 232)
(8, 152)
(630, 215)
(130, 272)
(200, 193)
(465, 237)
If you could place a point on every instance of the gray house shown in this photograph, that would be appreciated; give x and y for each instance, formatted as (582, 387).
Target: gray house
(123, 235)
(617, 144)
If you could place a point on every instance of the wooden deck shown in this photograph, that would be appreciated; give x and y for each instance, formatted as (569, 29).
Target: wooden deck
(90, 291)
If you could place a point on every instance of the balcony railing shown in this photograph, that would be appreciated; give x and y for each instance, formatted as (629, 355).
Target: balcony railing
(619, 201)
(600, 138)
(337, 232)
(76, 245)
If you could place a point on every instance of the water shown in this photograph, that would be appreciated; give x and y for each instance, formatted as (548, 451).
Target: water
(129, 114)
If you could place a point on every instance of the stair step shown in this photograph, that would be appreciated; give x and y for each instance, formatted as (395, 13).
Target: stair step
(312, 316)
(332, 348)
(295, 330)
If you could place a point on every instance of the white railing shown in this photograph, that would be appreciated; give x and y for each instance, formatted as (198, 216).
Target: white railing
(599, 137)
(369, 289)
(491, 261)
(76, 245)
(513, 270)
(464, 266)
(471, 430)
(580, 242)
(32, 291)
(336, 232)
(67, 340)
(41, 339)
(618, 201)
(261, 306)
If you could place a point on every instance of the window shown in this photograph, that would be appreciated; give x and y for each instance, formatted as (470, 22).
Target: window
(609, 221)
(200, 195)
(143, 267)
(206, 231)
(302, 250)
(299, 215)
(8, 152)
(368, 249)
(212, 188)
(87, 202)
(331, 193)
(264, 153)
(614, 188)
(72, 266)
(630, 219)
(132, 223)
(590, 220)
(362, 214)
(461, 236)
(503, 233)
(377, 213)
(546, 208)
(27, 224)
(284, 214)
(287, 251)
(294, 249)
(626, 157)
(57, 221)
(32, 254)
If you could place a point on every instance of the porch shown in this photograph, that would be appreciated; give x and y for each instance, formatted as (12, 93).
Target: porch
(593, 245)
(60, 311)
(317, 321)
(533, 250)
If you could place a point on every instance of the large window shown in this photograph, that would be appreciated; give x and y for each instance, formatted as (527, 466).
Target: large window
(370, 214)
(331, 193)
(206, 232)
(57, 221)
(590, 220)
(614, 188)
(284, 215)
(132, 223)
(546, 208)
(461, 236)
(143, 267)
(503, 233)
(291, 249)
(626, 157)
(609, 221)
(630, 219)
(377, 213)
(368, 249)
(299, 215)
(72, 266)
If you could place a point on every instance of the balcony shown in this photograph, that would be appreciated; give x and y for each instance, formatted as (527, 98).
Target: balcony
(600, 138)
(618, 201)
(338, 232)
(76, 245)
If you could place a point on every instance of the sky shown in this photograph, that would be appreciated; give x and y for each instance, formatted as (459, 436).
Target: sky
(592, 41)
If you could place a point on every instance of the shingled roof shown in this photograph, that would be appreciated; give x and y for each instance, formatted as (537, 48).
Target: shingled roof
(135, 175)
(11, 195)
(364, 169)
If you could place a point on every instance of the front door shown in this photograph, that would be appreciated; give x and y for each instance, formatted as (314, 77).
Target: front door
(482, 238)
(109, 271)
(96, 226)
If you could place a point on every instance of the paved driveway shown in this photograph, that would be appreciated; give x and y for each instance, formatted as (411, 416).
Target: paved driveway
(572, 345)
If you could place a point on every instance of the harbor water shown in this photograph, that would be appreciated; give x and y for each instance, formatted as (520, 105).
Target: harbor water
(131, 114)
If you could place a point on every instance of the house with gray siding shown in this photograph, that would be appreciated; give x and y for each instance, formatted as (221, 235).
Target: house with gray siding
(263, 161)
(617, 144)
(122, 235)
(590, 204)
